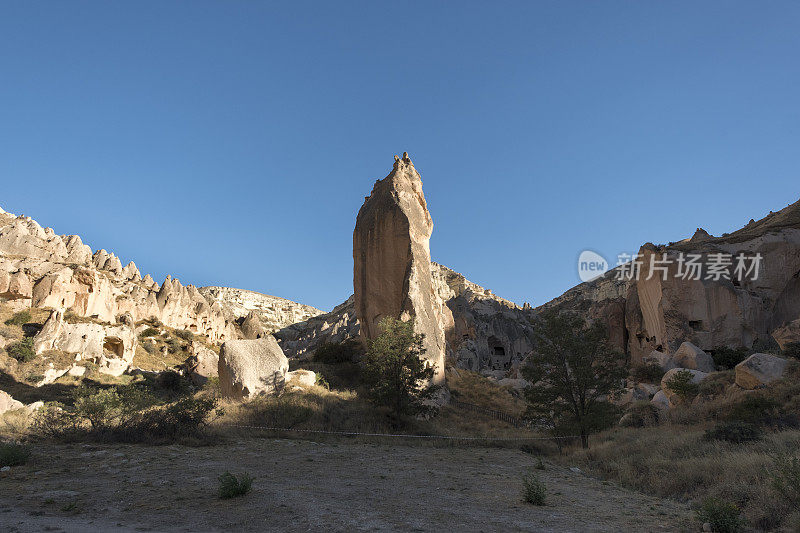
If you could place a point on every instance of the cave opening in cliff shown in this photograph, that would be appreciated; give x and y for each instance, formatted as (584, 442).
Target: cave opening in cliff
(113, 345)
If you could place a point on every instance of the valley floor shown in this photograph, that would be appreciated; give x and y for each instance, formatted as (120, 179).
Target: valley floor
(309, 486)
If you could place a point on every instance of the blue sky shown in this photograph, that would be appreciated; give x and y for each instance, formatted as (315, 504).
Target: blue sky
(232, 143)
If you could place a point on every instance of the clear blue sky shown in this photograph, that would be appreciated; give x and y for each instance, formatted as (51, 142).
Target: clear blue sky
(232, 143)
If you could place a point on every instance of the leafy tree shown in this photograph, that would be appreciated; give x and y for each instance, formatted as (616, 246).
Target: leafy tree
(394, 373)
(572, 372)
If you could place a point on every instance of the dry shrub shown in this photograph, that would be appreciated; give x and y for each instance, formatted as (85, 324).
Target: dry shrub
(676, 462)
(124, 414)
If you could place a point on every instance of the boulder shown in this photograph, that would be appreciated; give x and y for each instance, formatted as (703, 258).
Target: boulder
(690, 356)
(51, 375)
(392, 261)
(250, 367)
(659, 358)
(645, 391)
(759, 370)
(697, 377)
(514, 383)
(77, 371)
(304, 378)
(7, 403)
(660, 401)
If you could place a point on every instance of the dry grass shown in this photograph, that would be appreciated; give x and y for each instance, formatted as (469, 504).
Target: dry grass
(471, 387)
(157, 361)
(317, 409)
(676, 462)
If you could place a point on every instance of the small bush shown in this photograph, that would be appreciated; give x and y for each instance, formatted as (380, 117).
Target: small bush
(185, 334)
(171, 381)
(792, 350)
(184, 419)
(640, 414)
(124, 414)
(768, 345)
(22, 350)
(785, 476)
(533, 490)
(681, 384)
(149, 332)
(723, 517)
(174, 345)
(231, 486)
(333, 353)
(735, 432)
(754, 409)
(647, 373)
(19, 318)
(13, 454)
(150, 347)
(728, 358)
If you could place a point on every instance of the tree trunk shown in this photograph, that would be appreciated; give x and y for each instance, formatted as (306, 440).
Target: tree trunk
(584, 439)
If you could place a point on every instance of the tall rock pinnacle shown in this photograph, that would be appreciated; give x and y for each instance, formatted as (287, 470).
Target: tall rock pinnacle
(392, 261)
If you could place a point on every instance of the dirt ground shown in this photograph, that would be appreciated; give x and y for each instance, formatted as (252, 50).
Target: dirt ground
(310, 486)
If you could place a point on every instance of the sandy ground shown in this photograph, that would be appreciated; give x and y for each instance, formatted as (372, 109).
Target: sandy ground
(308, 486)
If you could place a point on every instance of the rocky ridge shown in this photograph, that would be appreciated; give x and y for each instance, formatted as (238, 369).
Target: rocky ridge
(274, 312)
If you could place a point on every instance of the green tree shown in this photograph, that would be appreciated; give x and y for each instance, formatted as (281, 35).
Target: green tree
(393, 372)
(573, 371)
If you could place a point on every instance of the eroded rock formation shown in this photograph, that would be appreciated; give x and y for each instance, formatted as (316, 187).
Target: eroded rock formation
(662, 311)
(42, 269)
(392, 261)
(111, 347)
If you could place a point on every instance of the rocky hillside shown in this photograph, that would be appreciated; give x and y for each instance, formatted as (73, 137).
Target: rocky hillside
(712, 312)
(274, 312)
(98, 302)
(488, 333)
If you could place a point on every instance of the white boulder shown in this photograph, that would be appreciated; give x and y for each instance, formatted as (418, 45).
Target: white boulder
(250, 367)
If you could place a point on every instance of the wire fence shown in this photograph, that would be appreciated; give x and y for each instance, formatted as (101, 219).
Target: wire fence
(493, 413)
(396, 435)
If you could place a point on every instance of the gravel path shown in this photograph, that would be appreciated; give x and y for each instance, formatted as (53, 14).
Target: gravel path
(308, 486)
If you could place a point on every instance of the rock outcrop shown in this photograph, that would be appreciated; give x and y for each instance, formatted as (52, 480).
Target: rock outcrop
(41, 269)
(392, 262)
(112, 347)
(202, 365)
(252, 327)
(250, 367)
(663, 310)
